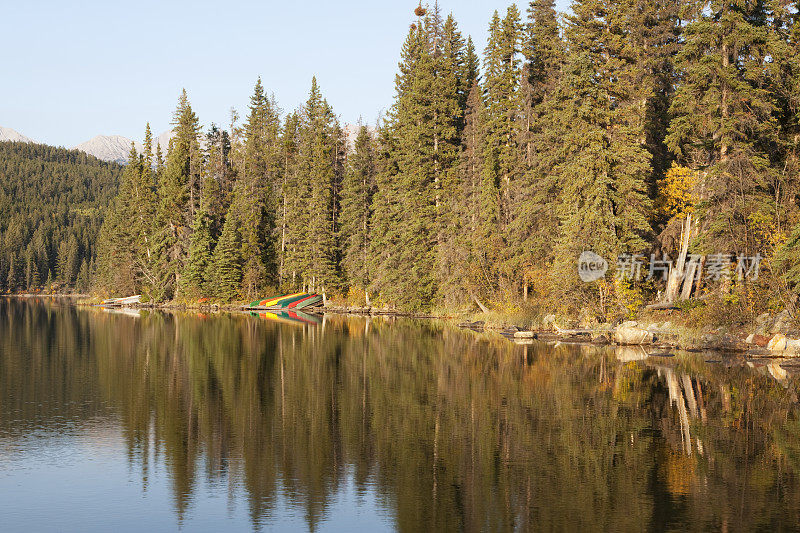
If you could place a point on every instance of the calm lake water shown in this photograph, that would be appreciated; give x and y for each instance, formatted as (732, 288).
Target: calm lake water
(112, 422)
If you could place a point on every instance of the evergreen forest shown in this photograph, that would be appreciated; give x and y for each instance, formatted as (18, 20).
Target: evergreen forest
(645, 127)
(53, 202)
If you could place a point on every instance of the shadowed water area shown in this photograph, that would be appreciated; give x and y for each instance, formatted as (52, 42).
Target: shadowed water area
(127, 422)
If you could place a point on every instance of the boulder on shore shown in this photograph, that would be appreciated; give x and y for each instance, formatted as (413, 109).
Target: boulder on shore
(631, 333)
(782, 322)
(725, 342)
(782, 345)
(777, 343)
(759, 340)
(793, 347)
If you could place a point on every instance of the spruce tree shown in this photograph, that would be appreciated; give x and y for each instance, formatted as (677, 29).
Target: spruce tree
(475, 245)
(141, 213)
(226, 275)
(470, 73)
(159, 161)
(357, 190)
(725, 123)
(218, 178)
(63, 269)
(655, 40)
(292, 214)
(785, 186)
(258, 188)
(544, 54)
(316, 159)
(533, 216)
(11, 277)
(594, 135)
(178, 190)
(118, 244)
(48, 284)
(448, 99)
(84, 281)
(201, 246)
(502, 68)
(406, 227)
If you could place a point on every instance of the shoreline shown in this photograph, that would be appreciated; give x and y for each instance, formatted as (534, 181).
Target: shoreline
(660, 336)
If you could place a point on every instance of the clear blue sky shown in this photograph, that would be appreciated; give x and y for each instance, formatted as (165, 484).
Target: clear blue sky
(73, 70)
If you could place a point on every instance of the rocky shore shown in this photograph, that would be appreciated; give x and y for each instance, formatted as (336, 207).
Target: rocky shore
(771, 336)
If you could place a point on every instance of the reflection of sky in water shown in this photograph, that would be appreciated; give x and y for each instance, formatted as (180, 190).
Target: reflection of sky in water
(80, 480)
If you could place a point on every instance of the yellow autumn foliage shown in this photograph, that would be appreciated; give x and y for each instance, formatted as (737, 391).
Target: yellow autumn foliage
(767, 230)
(677, 191)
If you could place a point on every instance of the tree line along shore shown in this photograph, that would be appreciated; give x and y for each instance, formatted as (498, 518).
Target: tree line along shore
(621, 128)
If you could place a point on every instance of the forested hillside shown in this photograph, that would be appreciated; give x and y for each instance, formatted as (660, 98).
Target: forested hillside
(52, 203)
(621, 128)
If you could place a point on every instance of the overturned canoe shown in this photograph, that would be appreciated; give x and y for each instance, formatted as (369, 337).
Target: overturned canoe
(269, 302)
(296, 301)
(129, 300)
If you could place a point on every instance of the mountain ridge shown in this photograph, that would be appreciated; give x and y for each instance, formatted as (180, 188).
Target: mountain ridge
(9, 135)
(116, 148)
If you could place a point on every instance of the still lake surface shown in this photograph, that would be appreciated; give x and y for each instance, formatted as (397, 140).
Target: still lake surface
(156, 421)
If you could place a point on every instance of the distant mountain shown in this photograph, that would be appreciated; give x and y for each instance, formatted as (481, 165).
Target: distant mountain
(351, 130)
(116, 147)
(7, 134)
(164, 139)
(109, 148)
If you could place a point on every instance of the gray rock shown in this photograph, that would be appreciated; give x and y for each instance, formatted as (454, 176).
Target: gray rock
(631, 333)
(782, 322)
(727, 342)
(792, 348)
(762, 319)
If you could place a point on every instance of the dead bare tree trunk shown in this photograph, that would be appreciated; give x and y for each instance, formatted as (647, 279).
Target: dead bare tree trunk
(688, 279)
(676, 273)
(483, 307)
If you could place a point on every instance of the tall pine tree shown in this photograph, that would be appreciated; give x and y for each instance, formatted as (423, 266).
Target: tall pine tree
(178, 194)
(357, 190)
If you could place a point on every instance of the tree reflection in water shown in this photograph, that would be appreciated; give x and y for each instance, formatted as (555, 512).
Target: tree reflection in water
(451, 429)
